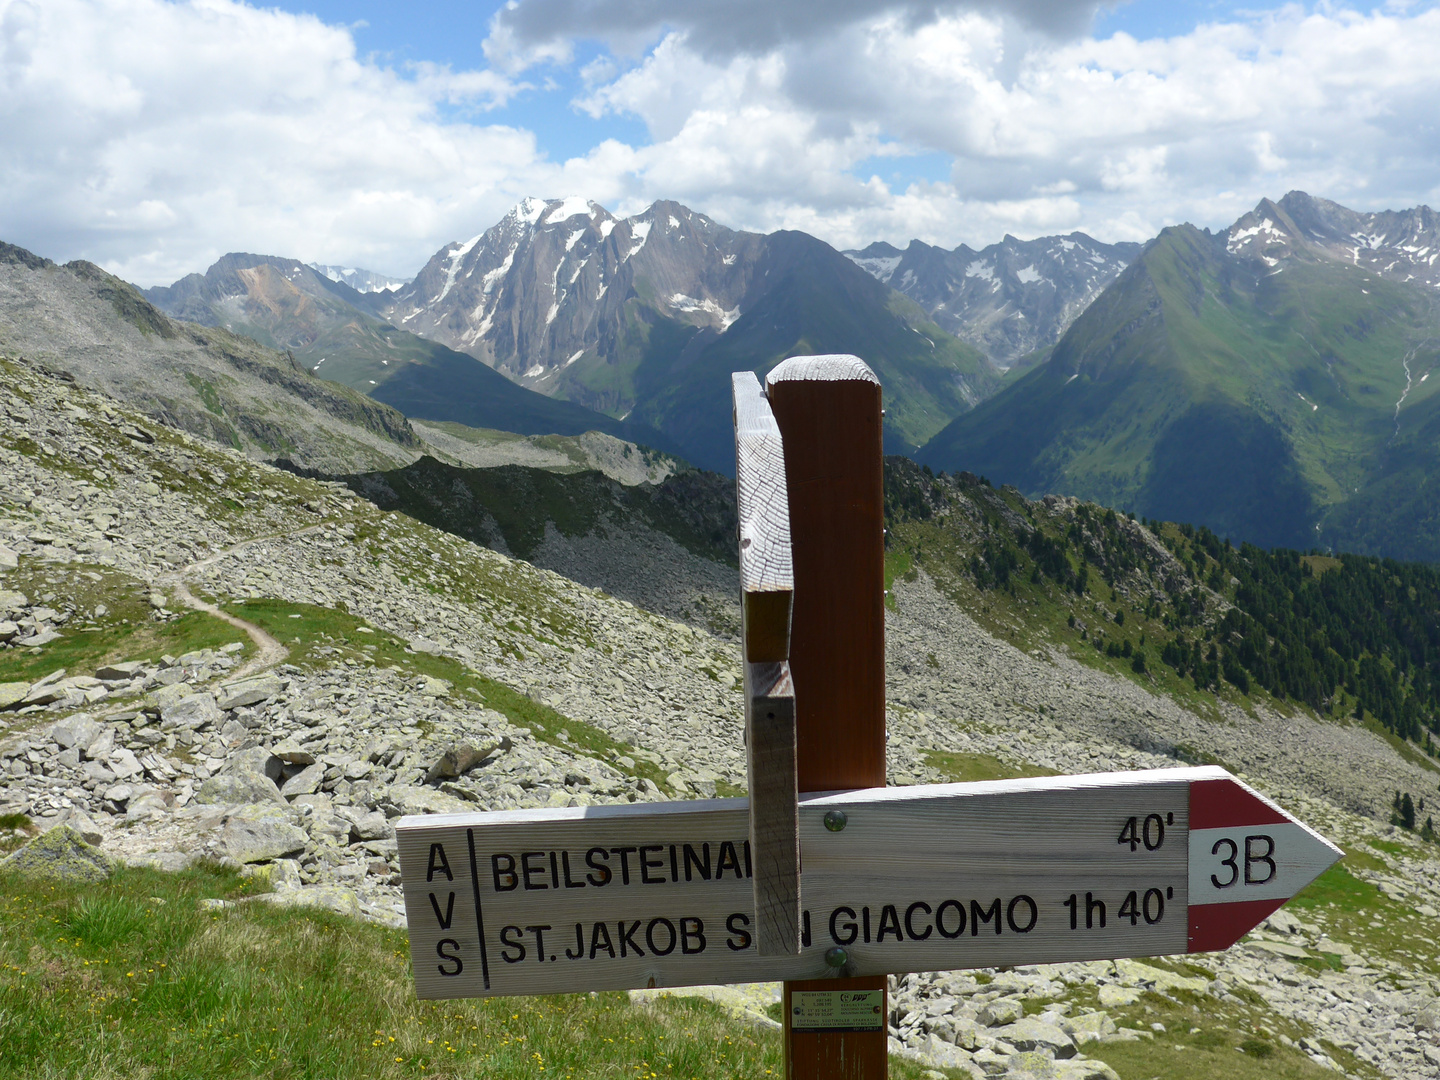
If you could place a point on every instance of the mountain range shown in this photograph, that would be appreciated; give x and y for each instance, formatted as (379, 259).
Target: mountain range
(324, 324)
(1008, 299)
(1270, 381)
(639, 319)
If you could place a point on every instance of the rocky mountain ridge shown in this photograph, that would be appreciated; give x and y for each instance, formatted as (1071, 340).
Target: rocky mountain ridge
(1270, 381)
(105, 334)
(1007, 299)
(1399, 245)
(645, 317)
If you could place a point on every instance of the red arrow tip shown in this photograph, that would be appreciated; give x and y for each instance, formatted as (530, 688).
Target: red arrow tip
(1214, 927)
(1225, 804)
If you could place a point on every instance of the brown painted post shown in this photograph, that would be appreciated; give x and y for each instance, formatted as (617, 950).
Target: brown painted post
(828, 410)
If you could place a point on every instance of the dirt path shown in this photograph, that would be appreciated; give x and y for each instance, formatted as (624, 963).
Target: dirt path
(268, 650)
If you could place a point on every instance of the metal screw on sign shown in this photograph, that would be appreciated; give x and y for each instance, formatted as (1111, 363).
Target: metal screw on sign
(835, 820)
(837, 957)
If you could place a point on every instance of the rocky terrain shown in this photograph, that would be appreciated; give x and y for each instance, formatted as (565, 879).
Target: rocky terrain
(78, 319)
(208, 657)
(1007, 299)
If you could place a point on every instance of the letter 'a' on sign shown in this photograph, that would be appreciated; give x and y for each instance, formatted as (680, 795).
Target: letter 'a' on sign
(927, 878)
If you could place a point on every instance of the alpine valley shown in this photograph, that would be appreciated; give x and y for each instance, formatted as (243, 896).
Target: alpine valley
(223, 681)
(640, 319)
(1270, 381)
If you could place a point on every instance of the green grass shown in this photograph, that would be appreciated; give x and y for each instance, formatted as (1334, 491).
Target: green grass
(124, 632)
(1205, 1039)
(318, 636)
(144, 982)
(15, 829)
(964, 768)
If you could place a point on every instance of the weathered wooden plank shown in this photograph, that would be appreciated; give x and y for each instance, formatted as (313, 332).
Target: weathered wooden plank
(828, 411)
(767, 578)
(774, 807)
(919, 878)
(767, 588)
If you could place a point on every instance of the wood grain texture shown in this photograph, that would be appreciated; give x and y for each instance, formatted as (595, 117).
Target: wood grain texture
(767, 588)
(828, 411)
(1003, 872)
(833, 469)
(828, 367)
(766, 573)
(774, 807)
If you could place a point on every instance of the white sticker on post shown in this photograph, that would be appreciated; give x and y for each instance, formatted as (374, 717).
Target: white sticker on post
(837, 1010)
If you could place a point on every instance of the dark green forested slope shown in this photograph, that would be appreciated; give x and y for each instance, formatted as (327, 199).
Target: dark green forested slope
(1175, 606)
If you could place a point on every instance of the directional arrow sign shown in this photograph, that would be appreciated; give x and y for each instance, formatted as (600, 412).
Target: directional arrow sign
(924, 878)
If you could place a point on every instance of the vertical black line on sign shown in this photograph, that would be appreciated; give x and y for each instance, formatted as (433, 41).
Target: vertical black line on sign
(479, 915)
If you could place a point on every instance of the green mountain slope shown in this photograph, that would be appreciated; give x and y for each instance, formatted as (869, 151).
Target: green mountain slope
(284, 304)
(1176, 608)
(101, 331)
(1215, 388)
(812, 300)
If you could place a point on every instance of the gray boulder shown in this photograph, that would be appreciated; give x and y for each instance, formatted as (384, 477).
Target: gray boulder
(461, 758)
(195, 711)
(1088, 1027)
(261, 833)
(305, 782)
(77, 731)
(75, 818)
(169, 861)
(62, 854)
(249, 691)
(231, 789)
(292, 753)
(407, 799)
(1028, 1033)
(1000, 1011)
(329, 897)
(256, 761)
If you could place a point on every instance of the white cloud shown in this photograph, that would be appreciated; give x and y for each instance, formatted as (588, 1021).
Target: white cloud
(1117, 136)
(152, 136)
(526, 32)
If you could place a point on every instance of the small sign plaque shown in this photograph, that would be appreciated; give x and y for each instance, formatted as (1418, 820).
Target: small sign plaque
(837, 1010)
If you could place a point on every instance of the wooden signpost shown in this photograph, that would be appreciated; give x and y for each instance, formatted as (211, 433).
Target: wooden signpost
(824, 878)
(923, 878)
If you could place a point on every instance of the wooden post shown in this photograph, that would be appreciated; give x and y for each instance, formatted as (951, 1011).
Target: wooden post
(828, 410)
(766, 588)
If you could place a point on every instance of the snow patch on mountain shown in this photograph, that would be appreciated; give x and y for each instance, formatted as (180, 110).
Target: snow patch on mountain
(362, 281)
(881, 269)
(456, 258)
(688, 304)
(639, 233)
(569, 207)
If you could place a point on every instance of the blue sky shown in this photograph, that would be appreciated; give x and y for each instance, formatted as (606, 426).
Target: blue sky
(152, 136)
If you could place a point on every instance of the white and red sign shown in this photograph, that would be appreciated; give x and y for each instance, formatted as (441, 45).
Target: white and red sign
(923, 878)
